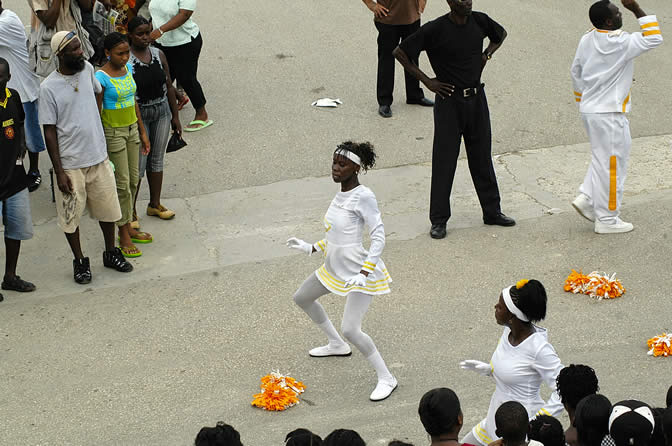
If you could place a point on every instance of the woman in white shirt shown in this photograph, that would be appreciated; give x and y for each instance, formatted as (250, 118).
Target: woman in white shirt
(522, 360)
(179, 37)
(349, 269)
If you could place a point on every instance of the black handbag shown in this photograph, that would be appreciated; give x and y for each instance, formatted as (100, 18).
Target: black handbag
(176, 143)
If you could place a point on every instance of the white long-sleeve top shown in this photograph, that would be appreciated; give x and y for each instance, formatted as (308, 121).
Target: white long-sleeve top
(345, 255)
(13, 48)
(518, 372)
(603, 66)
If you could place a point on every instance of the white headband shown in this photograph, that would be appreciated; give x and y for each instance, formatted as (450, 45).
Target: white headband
(349, 155)
(512, 307)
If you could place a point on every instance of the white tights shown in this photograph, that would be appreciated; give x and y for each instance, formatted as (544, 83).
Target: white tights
(356, 305)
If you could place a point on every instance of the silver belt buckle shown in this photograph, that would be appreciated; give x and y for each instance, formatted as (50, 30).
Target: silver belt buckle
(467, 92)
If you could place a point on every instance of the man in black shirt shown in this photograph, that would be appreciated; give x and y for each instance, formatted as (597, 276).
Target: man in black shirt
(454, 46)
(14, 203)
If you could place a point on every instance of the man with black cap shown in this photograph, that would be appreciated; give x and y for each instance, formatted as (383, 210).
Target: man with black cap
(76, 144)
(631, 423)
(454, 46)
(395, 20)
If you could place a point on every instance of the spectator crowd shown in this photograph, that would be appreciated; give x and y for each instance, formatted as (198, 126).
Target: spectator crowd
(105, 109)
(593, 421)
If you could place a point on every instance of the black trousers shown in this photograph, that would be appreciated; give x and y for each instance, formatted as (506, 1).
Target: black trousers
(456, 118)
(389, 37)
(183, 62)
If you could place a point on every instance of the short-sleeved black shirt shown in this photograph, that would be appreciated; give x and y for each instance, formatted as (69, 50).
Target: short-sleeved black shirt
(455, 51)
(13, 178)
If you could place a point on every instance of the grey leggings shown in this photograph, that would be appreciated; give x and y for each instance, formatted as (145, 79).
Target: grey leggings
(356, 305)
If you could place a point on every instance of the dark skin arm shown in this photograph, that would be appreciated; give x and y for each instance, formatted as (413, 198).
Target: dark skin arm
(172, 96)
(51, 139)
(633, 7)
(50, 16)
(443, 89)
(182, 16)
(139, 4)
(492, 47)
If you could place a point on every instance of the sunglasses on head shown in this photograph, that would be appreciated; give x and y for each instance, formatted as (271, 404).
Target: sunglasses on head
(69, 36)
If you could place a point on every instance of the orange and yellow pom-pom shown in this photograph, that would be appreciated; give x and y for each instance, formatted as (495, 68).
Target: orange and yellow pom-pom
(660, 345)
(278, 392)
(600, 286)
(521, 283)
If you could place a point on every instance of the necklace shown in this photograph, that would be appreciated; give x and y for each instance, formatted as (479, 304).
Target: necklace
(75, 86)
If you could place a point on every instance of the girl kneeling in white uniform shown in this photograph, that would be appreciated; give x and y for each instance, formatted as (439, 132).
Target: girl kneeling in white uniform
(349, 269)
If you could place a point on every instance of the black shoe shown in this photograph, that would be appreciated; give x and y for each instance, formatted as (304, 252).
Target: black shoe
(385, 111)
(499, 220)
(36, 180)
(1, 298)
(82, 270)
(115, 259)
(422, 101)
(438, 231)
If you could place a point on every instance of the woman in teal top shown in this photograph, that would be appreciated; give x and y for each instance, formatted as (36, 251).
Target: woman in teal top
(124, 132)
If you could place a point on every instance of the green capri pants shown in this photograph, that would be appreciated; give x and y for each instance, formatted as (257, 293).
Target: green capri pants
(123, 148)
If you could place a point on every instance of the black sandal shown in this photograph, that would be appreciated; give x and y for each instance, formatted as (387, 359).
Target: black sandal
(17, 284)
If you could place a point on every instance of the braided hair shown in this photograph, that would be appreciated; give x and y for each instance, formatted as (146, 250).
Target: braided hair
(547, 430)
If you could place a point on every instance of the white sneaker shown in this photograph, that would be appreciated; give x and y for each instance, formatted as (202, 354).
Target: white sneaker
(383, 390)
(619, 227)
(584, 207)
(329, 350)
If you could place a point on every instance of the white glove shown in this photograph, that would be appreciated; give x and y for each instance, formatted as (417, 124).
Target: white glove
(358, 280)
(480, 367)
(296, 243)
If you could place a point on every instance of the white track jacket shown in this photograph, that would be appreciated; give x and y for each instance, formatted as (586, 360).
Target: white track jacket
(604, 65)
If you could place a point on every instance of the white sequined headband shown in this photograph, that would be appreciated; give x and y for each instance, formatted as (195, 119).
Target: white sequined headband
(506, 294)
(349, 155)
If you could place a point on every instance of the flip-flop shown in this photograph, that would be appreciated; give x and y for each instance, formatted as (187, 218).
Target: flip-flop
(129, 254)
(202, 124)
(140, 240)
(143, 240)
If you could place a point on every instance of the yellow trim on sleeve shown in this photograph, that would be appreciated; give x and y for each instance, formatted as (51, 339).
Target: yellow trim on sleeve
(651, 32)
(577, 99)
(625, 102)
(612, 182)
(482, 434)
(576, 93)
(649, 25)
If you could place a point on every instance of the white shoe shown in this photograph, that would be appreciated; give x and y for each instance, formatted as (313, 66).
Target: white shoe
(619, 227)
(383, 390)
(329, 350)
(584, 207)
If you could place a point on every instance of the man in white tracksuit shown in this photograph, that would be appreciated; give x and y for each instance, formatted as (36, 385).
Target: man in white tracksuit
(602, 74)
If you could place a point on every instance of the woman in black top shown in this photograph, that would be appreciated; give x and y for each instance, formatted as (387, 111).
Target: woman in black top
(158, 107)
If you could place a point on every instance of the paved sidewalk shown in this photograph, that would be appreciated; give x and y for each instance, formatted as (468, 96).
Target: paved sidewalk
(251, 224)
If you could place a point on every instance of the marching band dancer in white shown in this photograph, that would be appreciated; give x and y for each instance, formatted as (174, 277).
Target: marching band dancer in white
(602, 75)
(522, 360)
(349, 269)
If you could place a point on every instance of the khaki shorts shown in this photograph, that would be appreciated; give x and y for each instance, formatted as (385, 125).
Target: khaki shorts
(93, 187)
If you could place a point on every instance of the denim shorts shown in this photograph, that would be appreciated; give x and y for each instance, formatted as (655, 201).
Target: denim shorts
(34, 139)
(16, 216)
